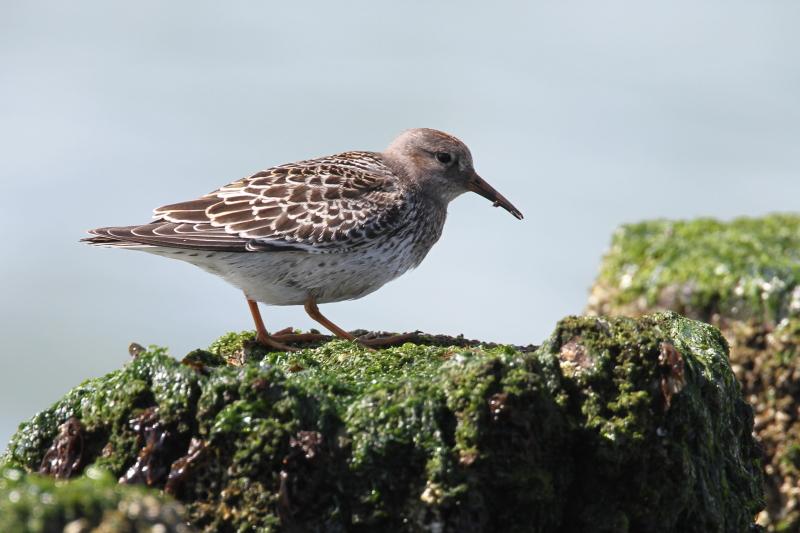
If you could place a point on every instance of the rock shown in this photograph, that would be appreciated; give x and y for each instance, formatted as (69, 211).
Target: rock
(744, 277)
(611, 425)
(746, 269)
(94, 502)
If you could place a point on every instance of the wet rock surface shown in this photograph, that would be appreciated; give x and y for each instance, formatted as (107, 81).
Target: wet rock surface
(610, 425)
(65, 456)
(743, 276)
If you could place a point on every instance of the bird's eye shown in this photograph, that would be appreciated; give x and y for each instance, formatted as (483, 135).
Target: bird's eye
(443, 157)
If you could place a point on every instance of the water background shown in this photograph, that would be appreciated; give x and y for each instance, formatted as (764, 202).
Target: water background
(585, 114)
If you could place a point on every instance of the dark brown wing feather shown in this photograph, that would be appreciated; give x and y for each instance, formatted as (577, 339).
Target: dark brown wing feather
(325, 205)
(173, 235)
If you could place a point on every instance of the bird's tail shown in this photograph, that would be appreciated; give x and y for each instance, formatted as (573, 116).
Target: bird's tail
(106, 237)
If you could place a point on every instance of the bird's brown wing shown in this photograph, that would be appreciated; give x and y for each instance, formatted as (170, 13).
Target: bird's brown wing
(329, 204)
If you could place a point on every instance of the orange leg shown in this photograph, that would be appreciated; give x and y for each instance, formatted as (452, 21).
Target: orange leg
(314, 312)
(262, 335)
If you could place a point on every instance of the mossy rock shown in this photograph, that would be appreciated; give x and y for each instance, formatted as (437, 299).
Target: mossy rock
(611, 425)
(745, 269)
(744, 277)
(94, 502)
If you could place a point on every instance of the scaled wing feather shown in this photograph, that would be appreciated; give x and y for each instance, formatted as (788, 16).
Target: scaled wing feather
(323, 205)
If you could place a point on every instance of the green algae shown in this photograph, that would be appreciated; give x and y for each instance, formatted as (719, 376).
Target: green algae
(748, 268)
(577, 435)
(31, 503)
(744, 277)
(688, 461)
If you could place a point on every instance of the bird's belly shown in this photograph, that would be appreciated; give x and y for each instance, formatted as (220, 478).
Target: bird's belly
(289, 278)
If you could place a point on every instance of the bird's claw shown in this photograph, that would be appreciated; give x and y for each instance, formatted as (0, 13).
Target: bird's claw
(300, 337)
(270, 342)
(371, 340)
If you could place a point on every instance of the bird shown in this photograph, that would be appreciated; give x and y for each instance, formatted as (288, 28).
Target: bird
(320, 230)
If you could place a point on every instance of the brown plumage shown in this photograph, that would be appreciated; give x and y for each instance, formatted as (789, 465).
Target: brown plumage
(319, 230)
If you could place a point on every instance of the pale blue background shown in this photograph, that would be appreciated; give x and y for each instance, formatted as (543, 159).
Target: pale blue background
(584, 114)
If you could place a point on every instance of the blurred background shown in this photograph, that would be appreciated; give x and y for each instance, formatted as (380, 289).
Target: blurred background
(586, 115)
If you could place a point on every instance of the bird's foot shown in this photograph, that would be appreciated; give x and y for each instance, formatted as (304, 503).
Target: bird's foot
(372, 340)
(271, 342)
(287, 336)
(280, 339)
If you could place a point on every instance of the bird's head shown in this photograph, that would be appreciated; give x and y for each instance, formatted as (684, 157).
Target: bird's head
(441, 164)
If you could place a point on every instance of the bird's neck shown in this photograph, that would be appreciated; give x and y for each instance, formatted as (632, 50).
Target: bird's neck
(439, 192)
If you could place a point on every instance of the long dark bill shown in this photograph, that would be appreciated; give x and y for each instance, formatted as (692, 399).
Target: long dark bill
(478, 184)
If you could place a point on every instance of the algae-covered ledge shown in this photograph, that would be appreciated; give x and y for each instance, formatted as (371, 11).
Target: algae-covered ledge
(744, 269)
(743, 276)
(93, 502)
(610, 425)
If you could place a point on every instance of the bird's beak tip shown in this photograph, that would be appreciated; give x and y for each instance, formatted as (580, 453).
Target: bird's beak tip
(481, 187)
